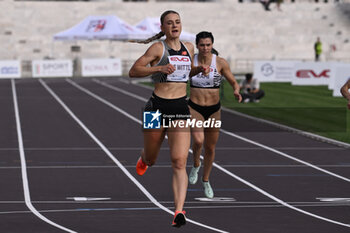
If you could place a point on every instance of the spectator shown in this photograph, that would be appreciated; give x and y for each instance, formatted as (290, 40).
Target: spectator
(250, 88)
(318, 49)
(345, 91)
(278, 4)
(266, 4)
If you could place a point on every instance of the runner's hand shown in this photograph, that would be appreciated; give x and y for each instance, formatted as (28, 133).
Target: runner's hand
(237, 96)
(168, 69)
(205, 70)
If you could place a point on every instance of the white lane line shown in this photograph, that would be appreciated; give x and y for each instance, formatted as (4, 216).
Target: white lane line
(284, 155)
(333, 199)
(116, 161)
(273, 197)
(120, 90)
(319, 203)
(70, 148)
(24, 166)
(154, 208)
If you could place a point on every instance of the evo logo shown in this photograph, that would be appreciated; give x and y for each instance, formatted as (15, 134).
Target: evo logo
(312, 74)
(179, 59)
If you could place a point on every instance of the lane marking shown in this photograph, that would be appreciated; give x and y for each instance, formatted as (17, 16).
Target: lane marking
(119, 90)
(333, 199)
(296, 203)
(155, 208)
(263, 191)
(89, 199)
(104, 148)
(216, 199)
(24, 166)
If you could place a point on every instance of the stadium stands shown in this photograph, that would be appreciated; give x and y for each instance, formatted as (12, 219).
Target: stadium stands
(243, 32)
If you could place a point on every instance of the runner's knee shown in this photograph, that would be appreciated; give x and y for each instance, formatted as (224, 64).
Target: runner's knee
(179, 163)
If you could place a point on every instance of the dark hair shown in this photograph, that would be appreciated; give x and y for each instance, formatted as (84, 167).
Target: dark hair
(248, 76)
(203, 35)
(159, 34)
(214, 51)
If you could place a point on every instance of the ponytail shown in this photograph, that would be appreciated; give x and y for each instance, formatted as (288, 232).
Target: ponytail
(214, 51)
(160, 34)
(155, 37)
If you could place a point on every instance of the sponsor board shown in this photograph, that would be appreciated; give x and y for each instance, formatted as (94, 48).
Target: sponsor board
(313, 73)
(342, 74)
(10, 69)
(101, 67)
(52, 68)
(274, 71)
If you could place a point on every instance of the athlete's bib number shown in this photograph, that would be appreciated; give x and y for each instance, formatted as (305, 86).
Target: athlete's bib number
(200, 80)
(182, 66)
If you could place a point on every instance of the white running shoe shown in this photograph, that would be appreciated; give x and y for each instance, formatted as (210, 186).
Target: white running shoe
(193, 177)
(208, 191)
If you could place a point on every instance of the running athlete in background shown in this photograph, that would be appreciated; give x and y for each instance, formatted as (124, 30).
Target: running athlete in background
(170, 65)
(204, 104)
(345, 91)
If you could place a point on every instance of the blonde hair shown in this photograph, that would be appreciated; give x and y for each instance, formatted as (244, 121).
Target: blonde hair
(159, 34)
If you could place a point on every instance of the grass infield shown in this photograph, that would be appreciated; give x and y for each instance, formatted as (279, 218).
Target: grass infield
(309, 108)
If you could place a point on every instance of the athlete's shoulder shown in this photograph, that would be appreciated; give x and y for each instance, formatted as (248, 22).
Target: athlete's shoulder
(189, 45)
(156, 49)
(221, 61)
(156, 45)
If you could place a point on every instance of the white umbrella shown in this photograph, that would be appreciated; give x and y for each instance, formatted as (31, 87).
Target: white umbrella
(107, 27)
(152, 26)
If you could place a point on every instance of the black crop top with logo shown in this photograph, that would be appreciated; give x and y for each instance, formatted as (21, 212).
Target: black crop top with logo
(181, 60)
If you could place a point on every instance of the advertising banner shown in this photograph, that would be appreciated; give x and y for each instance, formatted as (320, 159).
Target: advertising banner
(101, 67)
(333, 77)
(342, 74)
(52, 68)
(313, 73)
(10, 69)
(274, 71)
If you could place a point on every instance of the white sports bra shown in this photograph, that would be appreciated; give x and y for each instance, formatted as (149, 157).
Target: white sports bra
(213, 80)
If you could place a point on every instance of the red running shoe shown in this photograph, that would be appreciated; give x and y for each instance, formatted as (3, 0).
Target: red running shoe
(179, 219)
(141, 167)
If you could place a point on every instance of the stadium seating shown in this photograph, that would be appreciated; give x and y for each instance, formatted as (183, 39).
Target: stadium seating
(243, 32)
